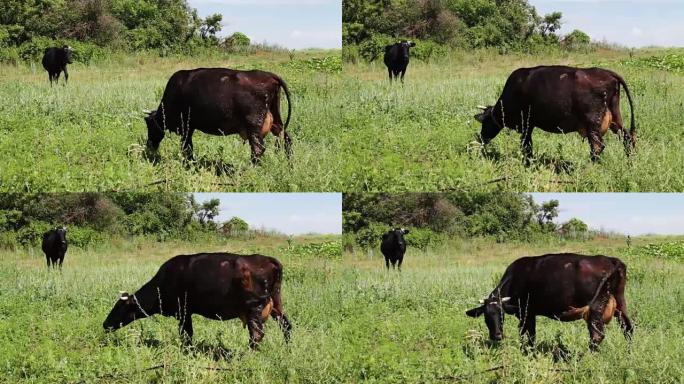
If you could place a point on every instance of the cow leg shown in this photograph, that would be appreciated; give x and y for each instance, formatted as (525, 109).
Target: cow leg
(256, 328)
(57, 77)
(527, 327)
(596, 328)
(48, 262)
(401, 260)
(256, 143)
(596, 145)
(288, 144)
(389, 72)
(185, 329)
(186, 145)
(279, 316)
(66, 76)
(387, 262)
(403, 72)
(621, 307)
(61, 259)
(526, 144)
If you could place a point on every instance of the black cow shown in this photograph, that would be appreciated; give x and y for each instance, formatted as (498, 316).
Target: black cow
(55, 60)
(55, 246)
(393, 246)
(397, 58)
(219, 286)
(564, 287)
(221, 101)
(560, 99)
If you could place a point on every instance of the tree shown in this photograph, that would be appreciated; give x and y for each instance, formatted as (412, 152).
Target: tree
(550, 23)
(235, 226)
(547, 212)
(211, 26)
(574, 226)
(237, 39)
(208, 210)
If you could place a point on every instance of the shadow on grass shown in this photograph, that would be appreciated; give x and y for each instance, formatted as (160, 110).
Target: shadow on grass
(215, 352)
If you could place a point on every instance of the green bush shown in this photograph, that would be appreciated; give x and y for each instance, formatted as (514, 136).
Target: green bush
(238, 39)
(85, 53)
(83, 237)
(373, 48)
(422, 238)
(371, 235)
(31, 235)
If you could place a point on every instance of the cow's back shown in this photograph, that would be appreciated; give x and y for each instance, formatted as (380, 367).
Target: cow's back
(553, 282)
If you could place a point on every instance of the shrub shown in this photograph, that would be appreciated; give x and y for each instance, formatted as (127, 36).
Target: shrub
(422, 238)
(237, 39)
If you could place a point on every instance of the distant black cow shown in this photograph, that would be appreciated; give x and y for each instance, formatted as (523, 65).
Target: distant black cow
(55, 60)
(393, 247)
(221, 101)
(560, 99)
(55, 246)
(564, 287)
(219, 286)
(397, 58)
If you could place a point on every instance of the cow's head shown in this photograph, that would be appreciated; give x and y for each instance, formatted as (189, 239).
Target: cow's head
(404, 47)
(125, 311)
(155, 130)
(493, 308)
(61, 235)
(68, 53)
(398, 234)
(490, 127)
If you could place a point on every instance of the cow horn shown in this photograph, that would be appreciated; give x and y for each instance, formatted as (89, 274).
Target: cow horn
(505, 299)
(481, 301)
(147, 112)
(482, 107)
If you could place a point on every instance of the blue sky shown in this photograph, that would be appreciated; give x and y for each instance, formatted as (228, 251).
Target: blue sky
(294, 24)
(627, 213)
(633, 23)
(289, 213)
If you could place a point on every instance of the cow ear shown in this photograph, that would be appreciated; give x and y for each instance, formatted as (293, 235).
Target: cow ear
(406, 231)
(412, 44)
(480, 117)
(475, 312)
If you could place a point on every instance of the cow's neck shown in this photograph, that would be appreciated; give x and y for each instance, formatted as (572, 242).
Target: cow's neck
(502, 290)
(148, 299)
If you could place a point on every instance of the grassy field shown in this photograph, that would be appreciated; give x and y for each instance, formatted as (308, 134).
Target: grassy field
(90, 135)
(417, 137)
(353, 321)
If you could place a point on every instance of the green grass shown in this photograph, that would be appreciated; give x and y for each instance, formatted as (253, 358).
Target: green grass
(418, 137)
(353, 321)
(90, 134)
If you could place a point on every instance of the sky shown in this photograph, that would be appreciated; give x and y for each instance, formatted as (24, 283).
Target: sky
(632, 23)
(289, 213)
(294, 24)
(628, 213)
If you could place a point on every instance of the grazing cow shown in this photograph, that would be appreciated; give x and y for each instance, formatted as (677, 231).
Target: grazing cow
(221, 101)
(564, 287)
(397, 58)
(560, 99)
(55, 60)
(393, 246)
(219, 286)
(55, 246)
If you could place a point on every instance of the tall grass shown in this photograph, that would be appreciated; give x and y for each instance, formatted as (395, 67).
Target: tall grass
(417, 136)
(353, 321)
(90, 135)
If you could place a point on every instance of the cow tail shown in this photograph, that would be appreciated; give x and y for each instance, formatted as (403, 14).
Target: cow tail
(283, 85)
(632, 128)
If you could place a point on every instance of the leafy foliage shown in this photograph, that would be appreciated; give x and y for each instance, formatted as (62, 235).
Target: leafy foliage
(507, 25)
(433, 216)
(93, 217)
(164, 25)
